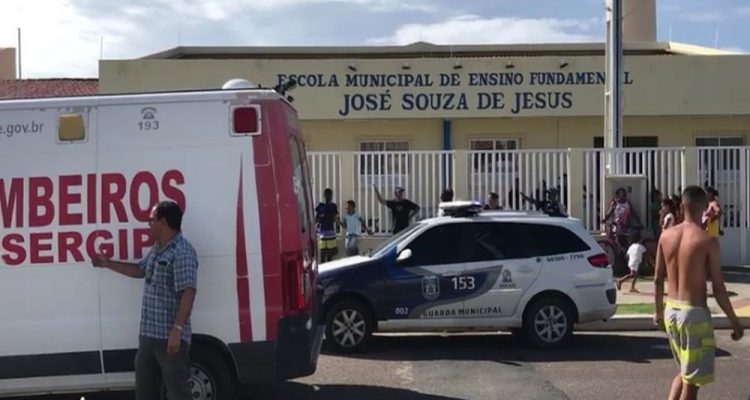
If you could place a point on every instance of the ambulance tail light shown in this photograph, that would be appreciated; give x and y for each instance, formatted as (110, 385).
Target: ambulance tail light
(293, 282)
(599, 261)
(246, 120)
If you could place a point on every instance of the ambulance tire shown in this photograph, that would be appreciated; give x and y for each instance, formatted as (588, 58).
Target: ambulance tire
(210, 376)
(356, 320)
(548, 323)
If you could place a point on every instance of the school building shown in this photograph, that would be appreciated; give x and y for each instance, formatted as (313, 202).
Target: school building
(500, 118)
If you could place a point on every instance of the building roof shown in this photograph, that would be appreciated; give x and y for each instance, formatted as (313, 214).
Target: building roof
(428, 50)
(42, 88)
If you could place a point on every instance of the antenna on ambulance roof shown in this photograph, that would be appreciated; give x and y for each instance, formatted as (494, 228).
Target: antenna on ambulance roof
(286, 86)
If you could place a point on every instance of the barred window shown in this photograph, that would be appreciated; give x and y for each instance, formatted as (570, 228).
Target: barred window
(382, 163)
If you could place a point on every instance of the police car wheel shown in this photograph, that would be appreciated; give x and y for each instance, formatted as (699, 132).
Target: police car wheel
(548, 323)
(348, 326)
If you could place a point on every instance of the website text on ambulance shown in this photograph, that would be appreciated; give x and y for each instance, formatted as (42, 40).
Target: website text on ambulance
(58, 220)
(10, 130)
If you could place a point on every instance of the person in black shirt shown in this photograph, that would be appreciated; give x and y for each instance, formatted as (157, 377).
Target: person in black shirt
(326, 215)
(402, 210)
(551, 205)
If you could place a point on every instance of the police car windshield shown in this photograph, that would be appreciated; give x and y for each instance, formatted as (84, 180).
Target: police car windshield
(386, 245)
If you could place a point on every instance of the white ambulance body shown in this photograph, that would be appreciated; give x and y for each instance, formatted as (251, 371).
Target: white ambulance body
(77, 174)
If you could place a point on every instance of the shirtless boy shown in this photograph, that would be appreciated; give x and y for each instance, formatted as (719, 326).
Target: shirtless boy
(687, 257)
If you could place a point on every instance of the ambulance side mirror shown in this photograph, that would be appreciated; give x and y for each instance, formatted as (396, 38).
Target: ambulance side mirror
(404, 255)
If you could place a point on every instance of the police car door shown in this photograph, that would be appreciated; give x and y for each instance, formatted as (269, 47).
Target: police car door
(500, 259)
(420, 282)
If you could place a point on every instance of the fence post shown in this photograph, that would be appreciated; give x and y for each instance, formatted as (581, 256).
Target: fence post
(690, 167)
(461, 174)
(347, 166)
(575, 183)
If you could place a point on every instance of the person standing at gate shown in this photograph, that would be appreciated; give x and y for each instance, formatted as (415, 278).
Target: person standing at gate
(402, 209)
(445, 197)
(326, 215)
(712, 215)
(493, 202)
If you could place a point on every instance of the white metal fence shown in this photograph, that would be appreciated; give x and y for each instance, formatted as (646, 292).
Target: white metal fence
(424, 174)
(325, 171)
(515, 173)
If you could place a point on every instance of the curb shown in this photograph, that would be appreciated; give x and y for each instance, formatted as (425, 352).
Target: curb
(645, 322)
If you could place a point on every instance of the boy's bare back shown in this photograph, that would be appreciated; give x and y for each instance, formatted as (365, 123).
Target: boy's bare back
(687, 252)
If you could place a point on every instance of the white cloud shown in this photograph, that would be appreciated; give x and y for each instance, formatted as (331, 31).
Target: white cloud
(472, 29)
(223, 9)
(735, 50)
(56, 40)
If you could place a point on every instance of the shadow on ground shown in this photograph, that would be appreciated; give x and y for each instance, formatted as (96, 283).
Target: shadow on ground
(337, 392)
(506, 349)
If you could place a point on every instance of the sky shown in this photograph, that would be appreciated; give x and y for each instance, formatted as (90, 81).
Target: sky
(66, 38)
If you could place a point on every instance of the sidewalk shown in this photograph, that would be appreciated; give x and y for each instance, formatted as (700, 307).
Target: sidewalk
(737, 280)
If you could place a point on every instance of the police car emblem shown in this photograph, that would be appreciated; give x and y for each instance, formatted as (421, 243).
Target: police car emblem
(507, 278)
(430, 287)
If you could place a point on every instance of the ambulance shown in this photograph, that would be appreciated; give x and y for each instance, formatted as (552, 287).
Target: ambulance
(80, 174)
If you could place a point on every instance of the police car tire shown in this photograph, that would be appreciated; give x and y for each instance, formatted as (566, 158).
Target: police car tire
(547, 303)
(214, 366)
(352, 305)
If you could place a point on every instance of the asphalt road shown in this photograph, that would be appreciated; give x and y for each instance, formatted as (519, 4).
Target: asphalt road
(596, 366)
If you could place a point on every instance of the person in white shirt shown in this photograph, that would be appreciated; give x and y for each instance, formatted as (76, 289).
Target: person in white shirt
(353, 224)
(635, 257)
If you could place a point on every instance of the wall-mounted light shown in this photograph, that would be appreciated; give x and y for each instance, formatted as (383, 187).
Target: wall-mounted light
(352, 67)
(406, 66)
(509, 65)
(563, 64)
(457, 65)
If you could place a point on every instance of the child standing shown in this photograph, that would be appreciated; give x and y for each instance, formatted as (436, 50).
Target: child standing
(353, 224)
(635, 257)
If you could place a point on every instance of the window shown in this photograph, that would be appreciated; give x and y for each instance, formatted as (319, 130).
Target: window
(380, 163)
(720, 141)
(493, 241)
(712, 160)
(552, 240)
(488, 158)
(630, 141)
(300, 184)
(435, 246)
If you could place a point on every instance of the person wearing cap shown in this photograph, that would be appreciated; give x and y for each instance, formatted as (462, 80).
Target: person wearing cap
(402, 209)
(493, 202)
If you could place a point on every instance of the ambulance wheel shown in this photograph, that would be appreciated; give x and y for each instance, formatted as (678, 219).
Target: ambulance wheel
(548, 323)
(349, 325)
(210, 376)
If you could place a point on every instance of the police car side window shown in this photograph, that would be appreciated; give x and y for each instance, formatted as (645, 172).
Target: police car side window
(437, 245)
(552, 240)
(489, 241)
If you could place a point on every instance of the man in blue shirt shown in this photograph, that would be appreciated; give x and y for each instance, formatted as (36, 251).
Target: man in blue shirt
(171, 271)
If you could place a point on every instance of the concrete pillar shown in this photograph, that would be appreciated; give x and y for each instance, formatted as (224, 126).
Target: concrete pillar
(639, 20)
(461, 175)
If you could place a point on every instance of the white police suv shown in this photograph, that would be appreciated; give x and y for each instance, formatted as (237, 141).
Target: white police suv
(471, 270)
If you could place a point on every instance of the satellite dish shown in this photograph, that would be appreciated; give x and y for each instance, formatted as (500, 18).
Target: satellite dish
(239, 84)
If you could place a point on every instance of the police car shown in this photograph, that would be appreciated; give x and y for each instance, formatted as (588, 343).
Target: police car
(471, 270)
